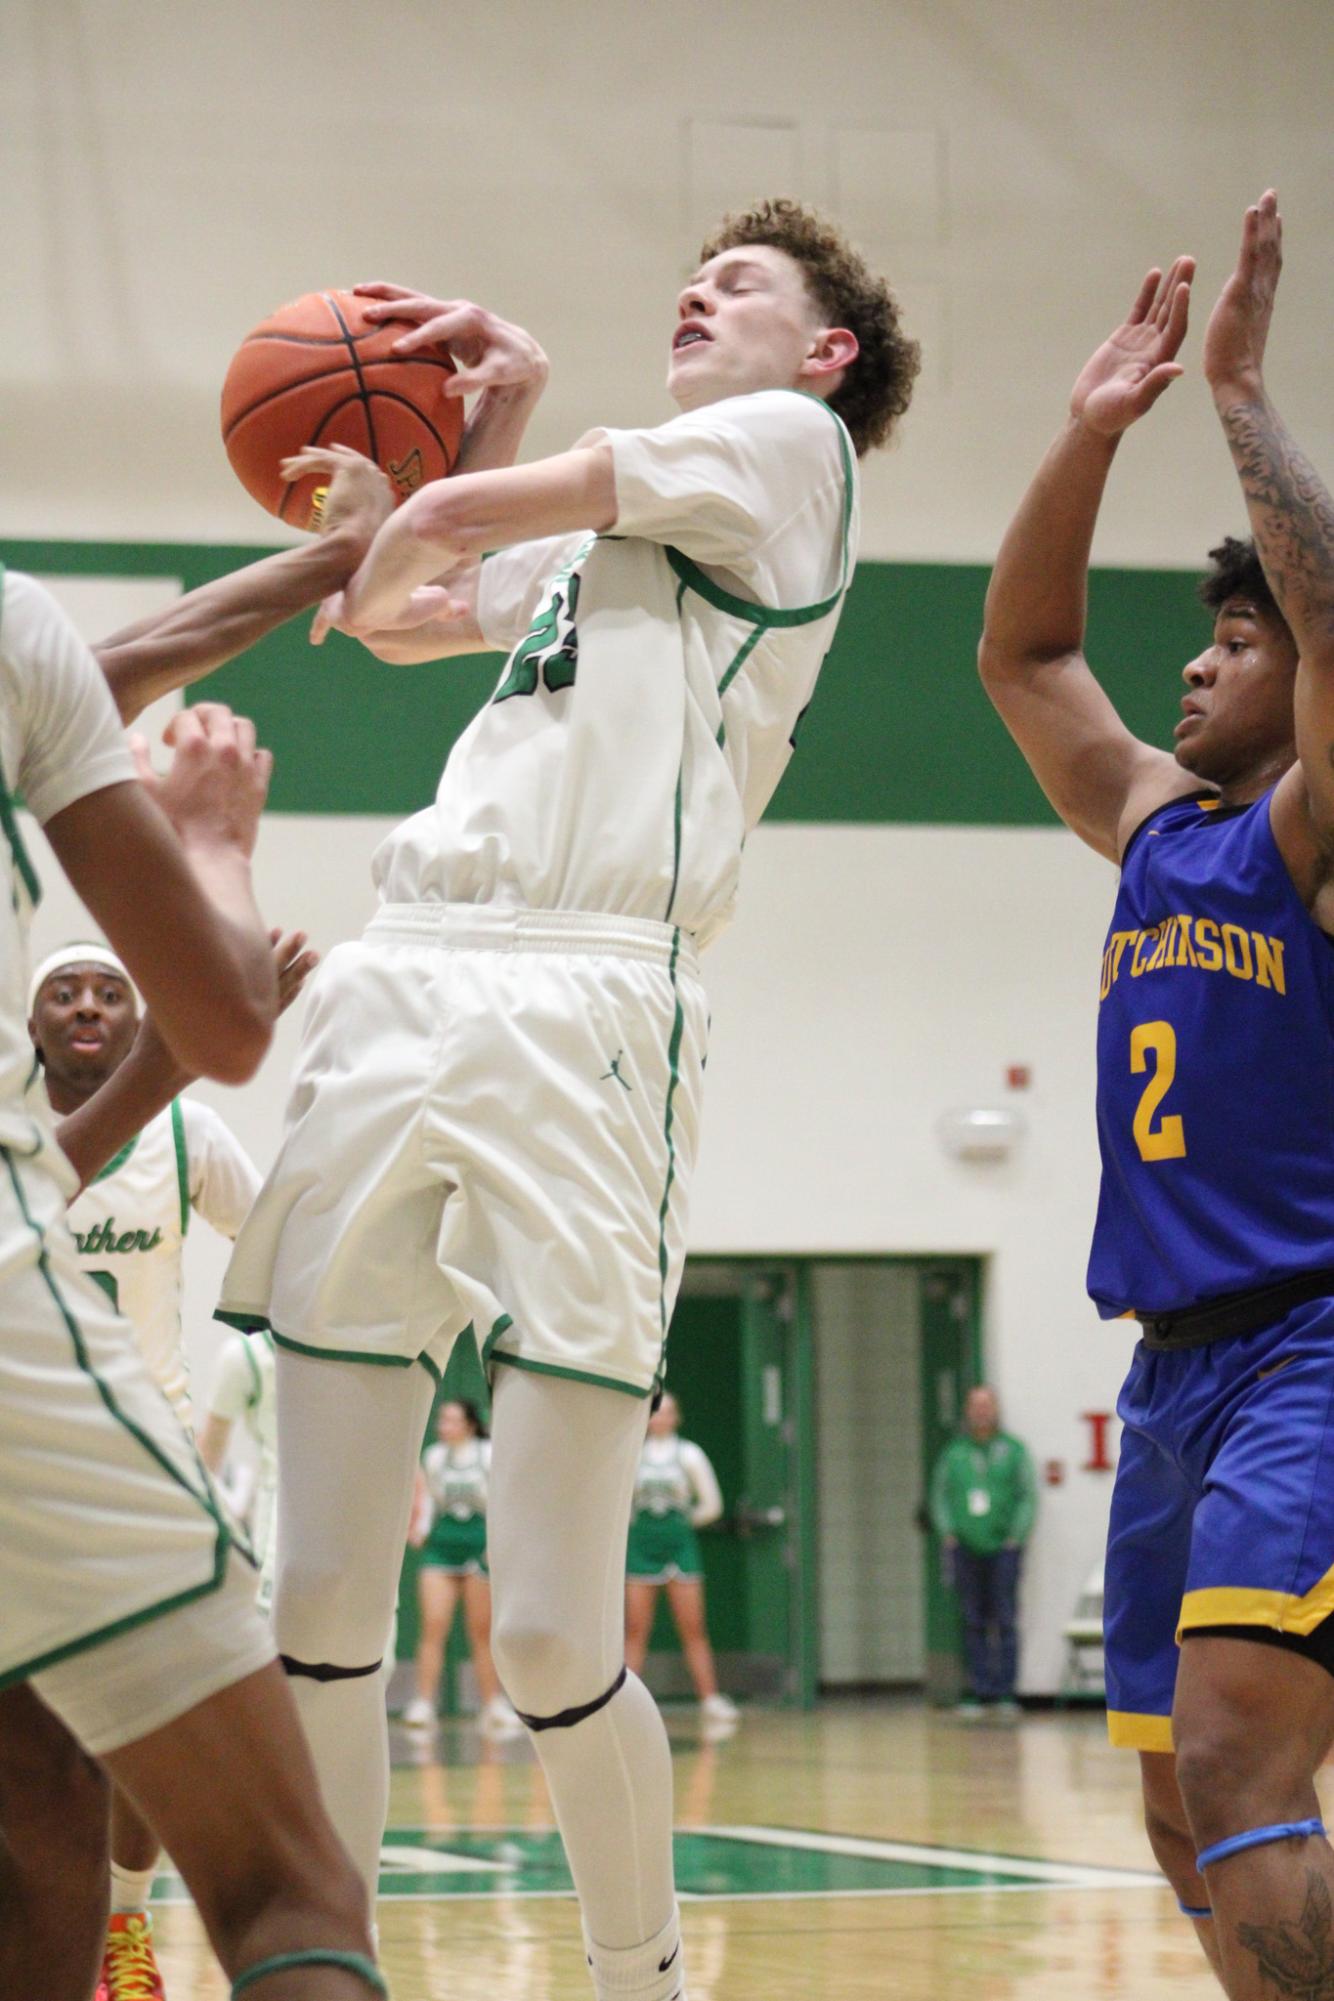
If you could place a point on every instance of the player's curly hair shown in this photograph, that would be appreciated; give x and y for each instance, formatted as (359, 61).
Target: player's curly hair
(878, 386)
(1237, 572)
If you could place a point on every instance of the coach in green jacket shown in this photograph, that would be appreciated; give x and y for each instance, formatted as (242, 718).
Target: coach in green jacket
(983, 1500)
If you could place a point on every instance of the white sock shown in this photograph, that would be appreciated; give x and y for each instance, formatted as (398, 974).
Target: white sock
(653, 1971)
(130, 1888)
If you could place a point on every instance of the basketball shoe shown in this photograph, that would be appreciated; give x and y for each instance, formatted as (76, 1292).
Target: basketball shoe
(129, 1969)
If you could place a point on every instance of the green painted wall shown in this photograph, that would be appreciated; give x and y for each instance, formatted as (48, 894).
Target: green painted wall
(899, 731)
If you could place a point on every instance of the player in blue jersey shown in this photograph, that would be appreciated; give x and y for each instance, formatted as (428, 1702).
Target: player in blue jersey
(1215, 1224)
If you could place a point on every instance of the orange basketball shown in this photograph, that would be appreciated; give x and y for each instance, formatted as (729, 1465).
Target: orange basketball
(320, 373)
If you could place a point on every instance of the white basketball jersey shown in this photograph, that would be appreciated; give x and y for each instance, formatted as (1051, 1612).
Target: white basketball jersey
(658, 675)
(60, 739)
(130, 1224)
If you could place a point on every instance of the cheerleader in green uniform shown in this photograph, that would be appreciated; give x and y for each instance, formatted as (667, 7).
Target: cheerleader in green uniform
(676, 1492)
(453, 1568)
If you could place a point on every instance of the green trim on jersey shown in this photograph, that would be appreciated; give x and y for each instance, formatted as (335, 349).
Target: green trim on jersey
(739, 659)
(676, 842)
(760, 615)
(486, 1348)
(9, 824)
(490, 1356)
(256, 1323)
(182, 1162)
(569, 1375)
(117, 1161)
(206, 1500)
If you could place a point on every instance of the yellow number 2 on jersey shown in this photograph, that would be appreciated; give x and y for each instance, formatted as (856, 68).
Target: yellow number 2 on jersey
(1166, 1140)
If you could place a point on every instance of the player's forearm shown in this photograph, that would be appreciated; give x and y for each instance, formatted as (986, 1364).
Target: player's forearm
(141, 1087)
(1037, 600)
(211, 625)
(453, 520)
(1291, 513)
(496, 428)
(243, 986)
(438, 639)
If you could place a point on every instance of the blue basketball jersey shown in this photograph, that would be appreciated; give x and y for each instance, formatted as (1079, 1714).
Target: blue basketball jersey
(1215, 1068)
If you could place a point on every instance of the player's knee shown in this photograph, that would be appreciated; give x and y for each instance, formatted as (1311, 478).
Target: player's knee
(324, 1611)
(1232, 1777)
(543, 1667)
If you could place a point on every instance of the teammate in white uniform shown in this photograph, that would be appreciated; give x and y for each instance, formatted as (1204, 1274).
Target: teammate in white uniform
(130, 1222)
(676, 1492)
(127, 1620)
(495, 1111)
(129, 1226)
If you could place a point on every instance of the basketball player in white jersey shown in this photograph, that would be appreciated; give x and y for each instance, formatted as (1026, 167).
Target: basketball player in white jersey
(129, 1225)
(495, 1112)
(128, 1623)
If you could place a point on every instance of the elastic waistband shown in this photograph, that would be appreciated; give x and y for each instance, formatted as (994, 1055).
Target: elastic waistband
(489, 927)
(1237, 1313)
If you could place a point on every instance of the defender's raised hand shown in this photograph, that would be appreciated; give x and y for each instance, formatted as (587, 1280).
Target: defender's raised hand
(1133, 367)
(214, 790)
(358, 497)
(1234, 340)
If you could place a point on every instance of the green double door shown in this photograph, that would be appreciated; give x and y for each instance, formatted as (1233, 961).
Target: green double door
(742, 1363)
(736, 1364)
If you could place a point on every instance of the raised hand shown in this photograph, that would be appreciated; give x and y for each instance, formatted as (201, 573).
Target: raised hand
(1234, 340)
(1133, 367)
(357, 498)
(487, 352)
(214, 790)
(292, 963)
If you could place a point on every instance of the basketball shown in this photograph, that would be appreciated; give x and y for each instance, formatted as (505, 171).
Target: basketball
(319, 372)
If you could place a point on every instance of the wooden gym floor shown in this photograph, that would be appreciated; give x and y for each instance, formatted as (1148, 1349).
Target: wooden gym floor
(869, 1850)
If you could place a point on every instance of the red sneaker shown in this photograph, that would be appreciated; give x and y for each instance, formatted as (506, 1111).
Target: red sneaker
(129, 1970)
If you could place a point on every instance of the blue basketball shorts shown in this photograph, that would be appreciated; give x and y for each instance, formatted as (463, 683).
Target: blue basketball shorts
(1223, 1509)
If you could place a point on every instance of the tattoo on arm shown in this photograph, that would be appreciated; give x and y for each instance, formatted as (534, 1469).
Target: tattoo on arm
(1293, 518)
(1298, 1958)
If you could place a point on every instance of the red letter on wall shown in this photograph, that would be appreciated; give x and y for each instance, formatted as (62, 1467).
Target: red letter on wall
(1099, 1459)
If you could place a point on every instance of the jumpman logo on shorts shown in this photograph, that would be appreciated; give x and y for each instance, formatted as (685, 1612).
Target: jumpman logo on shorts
(615, 1071)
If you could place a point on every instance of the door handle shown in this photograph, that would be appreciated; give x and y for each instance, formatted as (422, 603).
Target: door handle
(747, 1519)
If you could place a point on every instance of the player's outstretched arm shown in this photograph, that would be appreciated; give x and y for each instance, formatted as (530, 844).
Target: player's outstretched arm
(446, 527)
(1292, 519)
(1100, 778)
(211, 625)
(163, 865)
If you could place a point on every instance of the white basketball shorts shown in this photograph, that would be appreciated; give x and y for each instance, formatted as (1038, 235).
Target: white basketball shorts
(493, 1125)
(121, 1598)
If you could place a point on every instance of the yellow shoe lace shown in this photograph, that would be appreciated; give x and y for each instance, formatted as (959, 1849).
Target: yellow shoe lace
(131, 1970)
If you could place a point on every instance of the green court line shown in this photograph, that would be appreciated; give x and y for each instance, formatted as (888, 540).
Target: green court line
(715, 1864)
